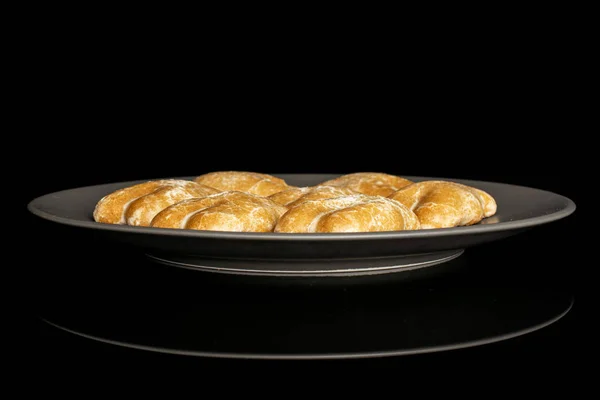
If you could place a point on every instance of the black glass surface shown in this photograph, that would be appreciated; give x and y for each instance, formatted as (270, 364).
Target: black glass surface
(99, 295)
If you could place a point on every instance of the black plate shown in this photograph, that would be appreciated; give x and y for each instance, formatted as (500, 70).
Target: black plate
(314, 254)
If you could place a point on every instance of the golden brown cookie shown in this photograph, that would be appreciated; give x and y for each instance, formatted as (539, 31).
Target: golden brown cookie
(354, 213)
(138, 204)
(442, 204)
(370, 183)
(226, 211)
(294, 196)
(242, 181)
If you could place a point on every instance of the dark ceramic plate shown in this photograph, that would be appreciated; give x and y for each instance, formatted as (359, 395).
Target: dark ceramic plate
(314, 254)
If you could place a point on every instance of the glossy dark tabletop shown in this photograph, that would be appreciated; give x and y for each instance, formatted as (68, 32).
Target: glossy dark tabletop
(76, 277)
(495, 289)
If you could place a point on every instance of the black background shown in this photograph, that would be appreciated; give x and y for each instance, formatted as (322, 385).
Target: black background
(109, 119)
(497, 157)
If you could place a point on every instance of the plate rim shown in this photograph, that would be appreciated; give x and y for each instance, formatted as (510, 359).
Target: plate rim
(412, 234)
